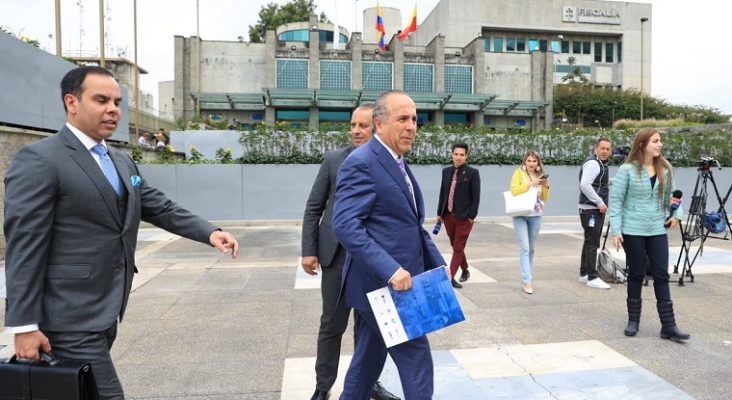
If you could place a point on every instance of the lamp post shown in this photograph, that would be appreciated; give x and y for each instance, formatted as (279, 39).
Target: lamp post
(642, 20)
(615, 103)
(58, 28)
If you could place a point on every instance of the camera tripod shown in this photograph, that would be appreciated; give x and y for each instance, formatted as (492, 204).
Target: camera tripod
(693, 229)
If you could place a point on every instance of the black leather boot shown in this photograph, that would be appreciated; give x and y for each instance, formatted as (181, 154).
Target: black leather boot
(634, 313)
(669, 330)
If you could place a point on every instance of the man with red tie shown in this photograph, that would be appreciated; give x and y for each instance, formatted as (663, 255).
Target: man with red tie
(458, 207)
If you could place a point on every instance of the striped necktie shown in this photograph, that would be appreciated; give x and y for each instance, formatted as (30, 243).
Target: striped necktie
(108, 167)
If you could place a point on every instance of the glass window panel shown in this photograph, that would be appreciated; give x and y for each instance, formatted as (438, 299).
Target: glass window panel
(456, 118)
(377, 76)
(510, 44)
(555, 46)
(292, 74)
(620, 52)
(498, 45)
(293, 115)
(335, 75)
(343, 116)
(419, 78)
(533, 44)
(586, 48)
(521, 45)
(576, 47)
(543, 45)
(487, 44)
(598, 52)
(609, 52)
(459, 79)
(565, 46)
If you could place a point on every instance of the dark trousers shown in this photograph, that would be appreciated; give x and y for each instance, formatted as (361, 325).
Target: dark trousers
(656, 249)
(588, 261)
(413, 360)
(333, 323)
(92, 347)
(458, 232)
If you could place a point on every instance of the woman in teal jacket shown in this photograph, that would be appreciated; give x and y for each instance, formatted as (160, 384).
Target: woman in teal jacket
(638, 205)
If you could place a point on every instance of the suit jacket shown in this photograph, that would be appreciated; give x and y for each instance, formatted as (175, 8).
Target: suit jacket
(70, 255)
(317, 223)
(467, 192)
(375, 220)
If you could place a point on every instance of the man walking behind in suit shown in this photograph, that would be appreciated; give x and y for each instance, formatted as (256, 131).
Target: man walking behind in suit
(378, 217)
(320, 247)
(457, 207)
(594, 183)
(73, 207)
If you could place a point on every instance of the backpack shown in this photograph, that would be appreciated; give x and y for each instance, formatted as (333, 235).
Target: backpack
(715, 222)
(607, 267)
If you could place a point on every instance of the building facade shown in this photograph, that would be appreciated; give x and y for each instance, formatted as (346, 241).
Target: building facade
(474, 62)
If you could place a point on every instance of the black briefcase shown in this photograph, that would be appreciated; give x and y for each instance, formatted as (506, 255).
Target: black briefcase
(48, 379)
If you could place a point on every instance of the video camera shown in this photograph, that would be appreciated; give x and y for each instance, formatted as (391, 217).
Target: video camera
(619, 154)
(707, 162)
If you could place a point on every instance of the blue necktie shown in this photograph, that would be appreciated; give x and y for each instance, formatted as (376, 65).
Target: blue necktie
(402, 167)
(108, 167)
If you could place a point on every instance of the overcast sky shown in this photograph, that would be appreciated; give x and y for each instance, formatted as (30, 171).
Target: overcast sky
(691, 56)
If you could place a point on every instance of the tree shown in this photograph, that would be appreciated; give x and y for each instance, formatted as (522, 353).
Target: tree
(273, 15)
(575, 74)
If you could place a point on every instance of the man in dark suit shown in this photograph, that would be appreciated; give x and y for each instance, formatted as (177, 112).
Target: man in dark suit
(378, 216)
(73, 207)
(458, 207)
(320, 247)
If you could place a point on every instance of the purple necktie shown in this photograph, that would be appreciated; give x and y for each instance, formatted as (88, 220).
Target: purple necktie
(402, 167)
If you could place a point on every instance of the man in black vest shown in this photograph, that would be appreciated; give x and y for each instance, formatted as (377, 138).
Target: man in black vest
(594, 193)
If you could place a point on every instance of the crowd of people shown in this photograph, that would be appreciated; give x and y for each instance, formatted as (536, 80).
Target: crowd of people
(146, 141)
(69, 270)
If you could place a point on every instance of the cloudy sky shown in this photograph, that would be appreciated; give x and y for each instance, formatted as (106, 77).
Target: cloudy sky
(691, 58)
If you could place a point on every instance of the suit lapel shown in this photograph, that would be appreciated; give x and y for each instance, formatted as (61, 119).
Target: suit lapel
(84, 159)
(126, 177)
(390, 165)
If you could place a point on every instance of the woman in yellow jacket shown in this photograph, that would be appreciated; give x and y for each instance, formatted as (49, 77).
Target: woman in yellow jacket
(530, 173)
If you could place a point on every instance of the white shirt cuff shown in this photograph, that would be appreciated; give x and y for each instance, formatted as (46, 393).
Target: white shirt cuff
(22, 329)
(392, 277)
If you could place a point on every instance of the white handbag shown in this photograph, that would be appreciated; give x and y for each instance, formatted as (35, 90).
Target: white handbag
(523, 204)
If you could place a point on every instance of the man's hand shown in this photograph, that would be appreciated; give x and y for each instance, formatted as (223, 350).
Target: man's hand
(439, 218)
(27, 345)
(402, 280)
(224, 241)
(603, 209)
(471, 221)
(617, 241)
(310, 265)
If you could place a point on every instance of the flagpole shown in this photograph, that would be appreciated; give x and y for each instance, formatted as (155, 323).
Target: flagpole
(355, 15)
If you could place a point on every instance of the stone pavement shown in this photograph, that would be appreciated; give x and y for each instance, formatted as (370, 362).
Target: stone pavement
(203, 326)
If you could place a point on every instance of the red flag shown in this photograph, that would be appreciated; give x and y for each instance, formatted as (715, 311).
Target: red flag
(411, 27)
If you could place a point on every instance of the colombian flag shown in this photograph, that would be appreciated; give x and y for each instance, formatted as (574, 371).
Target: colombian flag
(380, 27)
(412, 27)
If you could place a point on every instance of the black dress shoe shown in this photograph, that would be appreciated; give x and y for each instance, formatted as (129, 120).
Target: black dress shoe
(320, 395)
(380, 393)
(456, 285)
(464, 276)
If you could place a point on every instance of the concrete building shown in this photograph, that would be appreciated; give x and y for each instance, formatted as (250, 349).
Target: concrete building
(477, 62)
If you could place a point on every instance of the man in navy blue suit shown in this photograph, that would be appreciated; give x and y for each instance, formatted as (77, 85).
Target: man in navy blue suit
(378, 216)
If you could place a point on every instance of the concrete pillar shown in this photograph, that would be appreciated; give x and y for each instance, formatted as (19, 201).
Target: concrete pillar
(437, 47)
(270, 116)
(542, 85)
(181, 71)
(476, 118)
(397, 47)
(270, 75)
(439, 117)
(314, 78)
(314, 122)
(476, 49)
(356, 47)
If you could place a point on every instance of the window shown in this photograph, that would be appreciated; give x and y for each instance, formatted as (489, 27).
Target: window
(335, 75)
(456, 118)
(576, 47)
(498, 45)
(521, 45)
(620, 52)
(543, 45)
(510, 44)
(586, 48)
(598, 51)
(555, 46)
(565, 46)
(609, 52)
(337, 116)
(419, 78)
(459, 79)
(293, 115)
(533, 44)
(377, 76)
(487, 44)
(292, 74)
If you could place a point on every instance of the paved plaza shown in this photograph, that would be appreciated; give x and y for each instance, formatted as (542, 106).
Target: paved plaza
(200, 325)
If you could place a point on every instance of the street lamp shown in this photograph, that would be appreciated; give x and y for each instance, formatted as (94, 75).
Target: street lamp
(642, 20)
